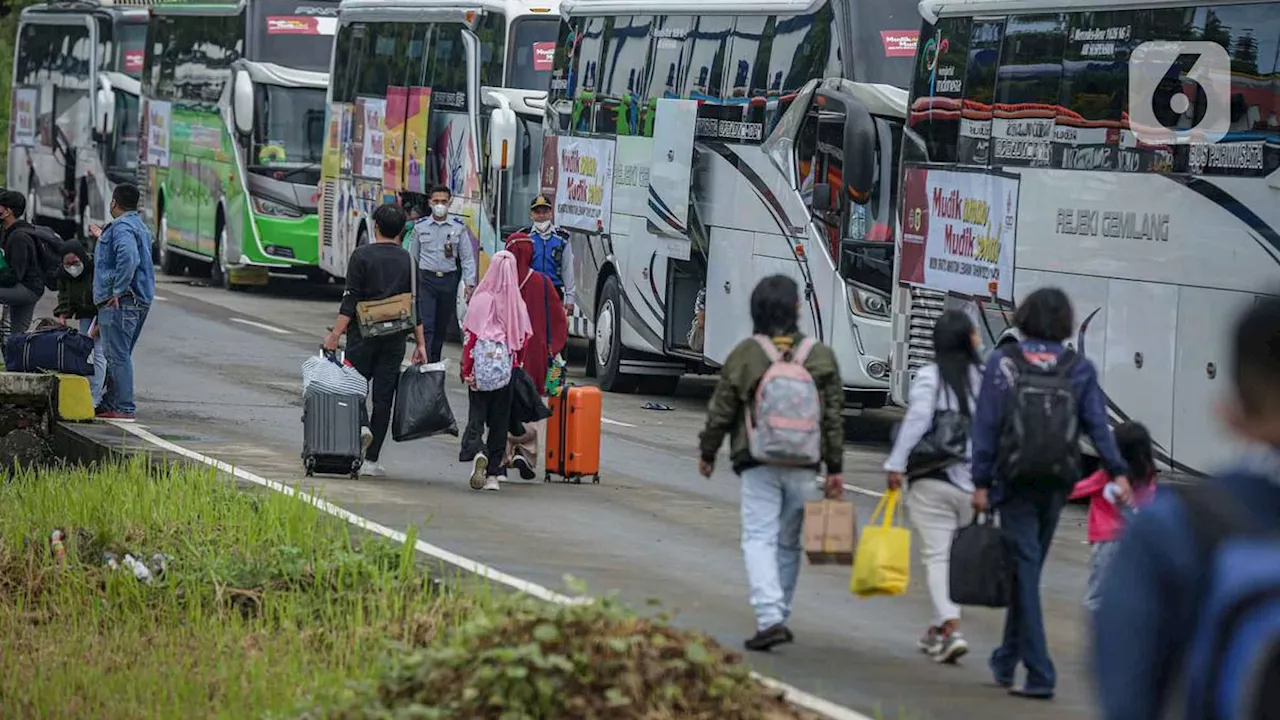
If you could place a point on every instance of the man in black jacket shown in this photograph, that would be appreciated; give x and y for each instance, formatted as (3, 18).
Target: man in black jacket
(21, 278)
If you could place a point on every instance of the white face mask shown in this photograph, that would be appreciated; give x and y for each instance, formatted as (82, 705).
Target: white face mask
(439, 210)
(542, 226)
(74, 270)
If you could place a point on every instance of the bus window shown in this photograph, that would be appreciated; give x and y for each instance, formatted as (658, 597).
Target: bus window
(1027, 89)
(626, 50)
(121, 46)
(973, 145)
(200, 51)
(448, 133)
(293, 35)
(559, 94)
(667, 64)
(938, 86)
(530, 55)
(585, 71)
(747, 66)
(124, 139)
(492, 33)
(802, 48)
(866, 250)
(348, 50)
(1095, 80)
(705, 79)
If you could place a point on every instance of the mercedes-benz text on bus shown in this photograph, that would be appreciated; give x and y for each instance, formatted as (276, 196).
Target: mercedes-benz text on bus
(1043, 172)
(233, 131)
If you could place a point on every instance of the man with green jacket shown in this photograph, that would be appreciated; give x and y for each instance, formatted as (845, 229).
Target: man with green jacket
(773, 496)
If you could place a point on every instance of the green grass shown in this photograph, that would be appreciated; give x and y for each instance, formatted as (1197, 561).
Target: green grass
(266, 604)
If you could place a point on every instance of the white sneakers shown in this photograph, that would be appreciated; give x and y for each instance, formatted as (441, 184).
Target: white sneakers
(478, 467)
(491, 483)
(372, 469)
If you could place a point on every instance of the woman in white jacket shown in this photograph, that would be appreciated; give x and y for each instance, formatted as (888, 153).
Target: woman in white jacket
(938, 499)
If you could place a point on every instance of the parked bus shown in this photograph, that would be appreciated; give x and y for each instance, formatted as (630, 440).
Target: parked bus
(233, 130)
(410, 107)
(1025, 113)
(693, 149)
(74, 109)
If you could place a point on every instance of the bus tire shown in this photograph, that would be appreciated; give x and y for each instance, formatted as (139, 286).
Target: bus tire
(607, 345)
(169, 262)
(218, 271)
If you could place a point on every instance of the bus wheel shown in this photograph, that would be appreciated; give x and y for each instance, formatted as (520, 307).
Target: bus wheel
(168, 261)
(608, 340)
(218, 270)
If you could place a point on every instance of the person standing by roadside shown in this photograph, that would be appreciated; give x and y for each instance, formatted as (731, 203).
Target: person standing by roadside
(445, 256)
(552, 253)
(550, 333)
(21, 278)
(495, 336)
(939, 499)
(773, 495)
(124, 284)
(75, 304)
(1035, 397)
(377, 271)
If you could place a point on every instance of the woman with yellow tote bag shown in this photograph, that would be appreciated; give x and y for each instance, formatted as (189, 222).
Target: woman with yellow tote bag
(882, 565)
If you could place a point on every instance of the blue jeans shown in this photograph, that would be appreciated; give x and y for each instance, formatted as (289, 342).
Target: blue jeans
(773, 501)
(1029, 519)
(99, 376)
(119, 328)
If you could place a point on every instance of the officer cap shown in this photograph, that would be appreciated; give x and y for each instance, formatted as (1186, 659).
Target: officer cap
(540, 202)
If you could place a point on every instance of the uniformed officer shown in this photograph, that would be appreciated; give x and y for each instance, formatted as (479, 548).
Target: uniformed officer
(552, 253)
(446, 253)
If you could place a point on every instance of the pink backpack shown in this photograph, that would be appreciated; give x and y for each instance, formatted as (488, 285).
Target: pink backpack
(785, 422)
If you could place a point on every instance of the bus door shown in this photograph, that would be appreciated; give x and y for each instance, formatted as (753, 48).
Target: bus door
(667, 218)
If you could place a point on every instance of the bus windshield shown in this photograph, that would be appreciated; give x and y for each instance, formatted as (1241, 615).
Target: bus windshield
(532, 48)
(131, 45)
(293, 33)
(124, 148)
(289, 133)
(523, 181)
(884, 41)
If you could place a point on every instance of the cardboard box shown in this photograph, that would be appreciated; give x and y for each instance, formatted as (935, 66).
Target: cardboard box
(830, 532)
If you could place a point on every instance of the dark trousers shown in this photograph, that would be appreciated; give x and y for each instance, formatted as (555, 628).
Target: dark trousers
(22, 307)
(1029, 519)
(378, 360)
(491, 409)
(437, 298)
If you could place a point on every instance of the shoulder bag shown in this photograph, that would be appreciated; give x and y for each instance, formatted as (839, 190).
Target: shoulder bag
(389, 316)
(945, 443)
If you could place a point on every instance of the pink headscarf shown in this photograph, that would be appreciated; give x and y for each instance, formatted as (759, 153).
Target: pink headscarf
(496, 311)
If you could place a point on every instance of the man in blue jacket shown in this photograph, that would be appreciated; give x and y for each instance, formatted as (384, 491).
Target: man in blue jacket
(1151, 596)
(1029, 512)
(124, 284)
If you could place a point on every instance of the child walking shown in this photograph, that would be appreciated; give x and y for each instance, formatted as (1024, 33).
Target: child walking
(1110, 502)
(495, 333)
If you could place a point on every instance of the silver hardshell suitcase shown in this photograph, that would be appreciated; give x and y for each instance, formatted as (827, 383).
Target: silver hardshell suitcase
(331, 434)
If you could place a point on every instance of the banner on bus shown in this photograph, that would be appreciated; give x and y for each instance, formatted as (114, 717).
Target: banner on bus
(415, 139)
(959, 231)
(25, 104)
(369, 137)
(393, 139)
(584, 183)
(330, 161)
(158, 117)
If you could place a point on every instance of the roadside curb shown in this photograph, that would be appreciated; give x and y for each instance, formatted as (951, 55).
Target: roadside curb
(90, 442)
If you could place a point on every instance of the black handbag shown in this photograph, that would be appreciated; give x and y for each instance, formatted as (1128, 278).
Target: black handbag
(982, 571)
(946, 442)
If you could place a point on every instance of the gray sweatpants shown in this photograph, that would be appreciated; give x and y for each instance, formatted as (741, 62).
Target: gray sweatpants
(1103, 552)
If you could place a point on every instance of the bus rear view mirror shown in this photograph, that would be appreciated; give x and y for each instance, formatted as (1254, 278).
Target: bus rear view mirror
(242, 102)
(860, 140)
(502, 138)
(106, 110)
(821, 198)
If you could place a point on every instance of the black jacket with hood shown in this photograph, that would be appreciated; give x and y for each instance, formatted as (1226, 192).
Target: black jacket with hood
(75, 295)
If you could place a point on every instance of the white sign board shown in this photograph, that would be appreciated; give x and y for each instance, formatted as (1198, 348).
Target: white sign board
(959, 231)
(584, 183)
(25, 110)
(158, 133)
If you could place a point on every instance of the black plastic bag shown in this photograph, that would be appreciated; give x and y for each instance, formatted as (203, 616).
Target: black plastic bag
(981, 565)
(526, 403)
(422, 408)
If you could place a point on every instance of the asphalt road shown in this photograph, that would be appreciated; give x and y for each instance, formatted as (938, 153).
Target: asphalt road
(220, 373)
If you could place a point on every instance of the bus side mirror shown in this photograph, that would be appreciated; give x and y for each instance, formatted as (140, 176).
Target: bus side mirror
(242, 102)
(502, 138)
(821, 202)
(860, 140)
(107, 104)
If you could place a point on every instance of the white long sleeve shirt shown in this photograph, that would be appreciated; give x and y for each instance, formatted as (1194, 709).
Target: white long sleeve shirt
(919, 418)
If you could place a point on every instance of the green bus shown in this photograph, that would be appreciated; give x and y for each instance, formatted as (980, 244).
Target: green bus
(232, 133)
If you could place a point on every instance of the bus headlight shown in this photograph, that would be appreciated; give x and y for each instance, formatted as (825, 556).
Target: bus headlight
(274, 209)
(868, 303)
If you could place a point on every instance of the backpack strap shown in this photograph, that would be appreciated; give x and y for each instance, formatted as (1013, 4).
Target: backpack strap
(801, 353)
(769, 348)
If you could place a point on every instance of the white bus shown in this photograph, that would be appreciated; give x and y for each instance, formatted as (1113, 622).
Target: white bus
(1024, 110)
(693, 148)
(74, 109)
(415, 83)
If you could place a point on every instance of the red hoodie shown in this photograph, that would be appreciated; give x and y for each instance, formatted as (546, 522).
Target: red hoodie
(1105, 519)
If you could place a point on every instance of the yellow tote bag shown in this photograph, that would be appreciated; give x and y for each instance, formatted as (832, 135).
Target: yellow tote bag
(882, 565)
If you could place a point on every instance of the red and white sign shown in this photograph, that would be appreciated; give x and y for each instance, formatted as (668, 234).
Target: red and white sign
(544, 54)
(899, 43)
(959, 230)
(133, 60)
(301, 25)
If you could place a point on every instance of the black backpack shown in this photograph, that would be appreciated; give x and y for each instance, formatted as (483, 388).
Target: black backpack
(1040, 439)
(46, 244)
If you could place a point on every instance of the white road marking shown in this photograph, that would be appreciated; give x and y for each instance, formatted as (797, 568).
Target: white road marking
(262, 326)
(607, 421)
(159, 297)
(796, 696)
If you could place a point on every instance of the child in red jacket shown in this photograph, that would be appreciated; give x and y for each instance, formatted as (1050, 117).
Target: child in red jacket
(1110, 502)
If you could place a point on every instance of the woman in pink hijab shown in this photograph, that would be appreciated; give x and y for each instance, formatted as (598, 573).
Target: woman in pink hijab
(495, 331)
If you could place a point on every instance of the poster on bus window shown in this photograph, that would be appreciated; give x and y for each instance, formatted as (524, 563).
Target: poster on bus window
(415, 139)
(372, 137)
(584, 183)
(158, 117)
(393, 140)
(959, 231)
(25, 104)
(330, 161)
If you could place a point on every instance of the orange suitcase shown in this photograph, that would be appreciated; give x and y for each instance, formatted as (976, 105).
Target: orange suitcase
(573, 434)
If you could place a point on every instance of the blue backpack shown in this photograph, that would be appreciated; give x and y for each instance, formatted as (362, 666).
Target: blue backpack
(1232, 667)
